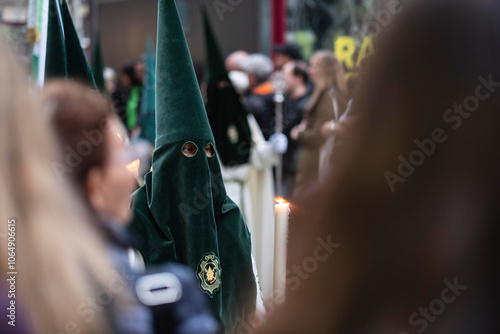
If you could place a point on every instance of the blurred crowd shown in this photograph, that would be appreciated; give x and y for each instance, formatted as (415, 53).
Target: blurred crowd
(317, 95)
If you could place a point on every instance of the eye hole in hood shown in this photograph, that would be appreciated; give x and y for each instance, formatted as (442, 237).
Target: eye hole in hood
(189, 149)
(209, 150)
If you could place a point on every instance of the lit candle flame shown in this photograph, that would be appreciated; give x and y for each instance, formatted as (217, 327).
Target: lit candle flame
(280, 200)
(133, 167)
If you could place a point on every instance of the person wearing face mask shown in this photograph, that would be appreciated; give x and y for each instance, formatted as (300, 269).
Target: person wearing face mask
(183, 213)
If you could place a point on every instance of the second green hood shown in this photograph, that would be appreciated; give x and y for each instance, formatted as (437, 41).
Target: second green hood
(228, 117)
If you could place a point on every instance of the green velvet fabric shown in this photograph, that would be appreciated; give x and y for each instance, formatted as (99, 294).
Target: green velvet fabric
(214, 60)
(64, 54)
(98, 65)
(227, 116)
(182, 213)
(55, 61)
(76, 62)
(148, 105)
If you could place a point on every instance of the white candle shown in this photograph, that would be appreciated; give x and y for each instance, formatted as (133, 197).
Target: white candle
(281, 212)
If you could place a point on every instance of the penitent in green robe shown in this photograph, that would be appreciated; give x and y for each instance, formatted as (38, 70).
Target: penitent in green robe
(182, 213)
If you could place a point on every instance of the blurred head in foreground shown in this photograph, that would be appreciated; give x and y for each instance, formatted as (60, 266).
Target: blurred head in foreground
(94, 144)
(404, 237)
(58, 256)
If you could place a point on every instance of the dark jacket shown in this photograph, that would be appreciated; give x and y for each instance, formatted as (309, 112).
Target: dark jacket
(293, 113)
(259, 102)
(188, 312)
(131, 317)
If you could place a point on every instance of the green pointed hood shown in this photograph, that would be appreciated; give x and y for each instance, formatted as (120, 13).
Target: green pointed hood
(55, 61)
(215, 61)
(177, 88)
(148, 105)
(228, 117)
(76, 62)
(182, 212)
(98, 64)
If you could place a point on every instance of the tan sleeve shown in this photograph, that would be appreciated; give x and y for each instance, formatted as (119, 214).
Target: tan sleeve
(322, 113)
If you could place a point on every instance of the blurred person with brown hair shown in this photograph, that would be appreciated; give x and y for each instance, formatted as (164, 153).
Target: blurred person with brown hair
(58, 255)
(413, 204)
(285, 53)
(94, 143)
(330, 96)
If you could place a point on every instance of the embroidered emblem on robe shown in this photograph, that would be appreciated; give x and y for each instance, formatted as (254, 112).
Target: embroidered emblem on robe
(209, 273)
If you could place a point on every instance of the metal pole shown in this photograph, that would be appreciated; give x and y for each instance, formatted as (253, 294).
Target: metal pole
(95, 20)
(279, 84)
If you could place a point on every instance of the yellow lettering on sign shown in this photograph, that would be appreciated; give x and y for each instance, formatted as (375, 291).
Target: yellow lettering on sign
(367, 49)
(345, 47)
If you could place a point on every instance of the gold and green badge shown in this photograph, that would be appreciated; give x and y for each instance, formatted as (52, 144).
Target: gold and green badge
(209, 273)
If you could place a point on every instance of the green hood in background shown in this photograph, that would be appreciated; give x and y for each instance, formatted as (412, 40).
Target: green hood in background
(148, 105)
(227, 116)
(76, 62)
(98, 64)
(55, 61)
(64, 56)
(182, 213)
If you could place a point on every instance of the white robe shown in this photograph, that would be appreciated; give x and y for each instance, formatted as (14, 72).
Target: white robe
(251, 187)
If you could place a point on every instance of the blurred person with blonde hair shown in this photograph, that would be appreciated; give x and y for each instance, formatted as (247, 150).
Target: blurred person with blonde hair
(330, 97)
(58, 255)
